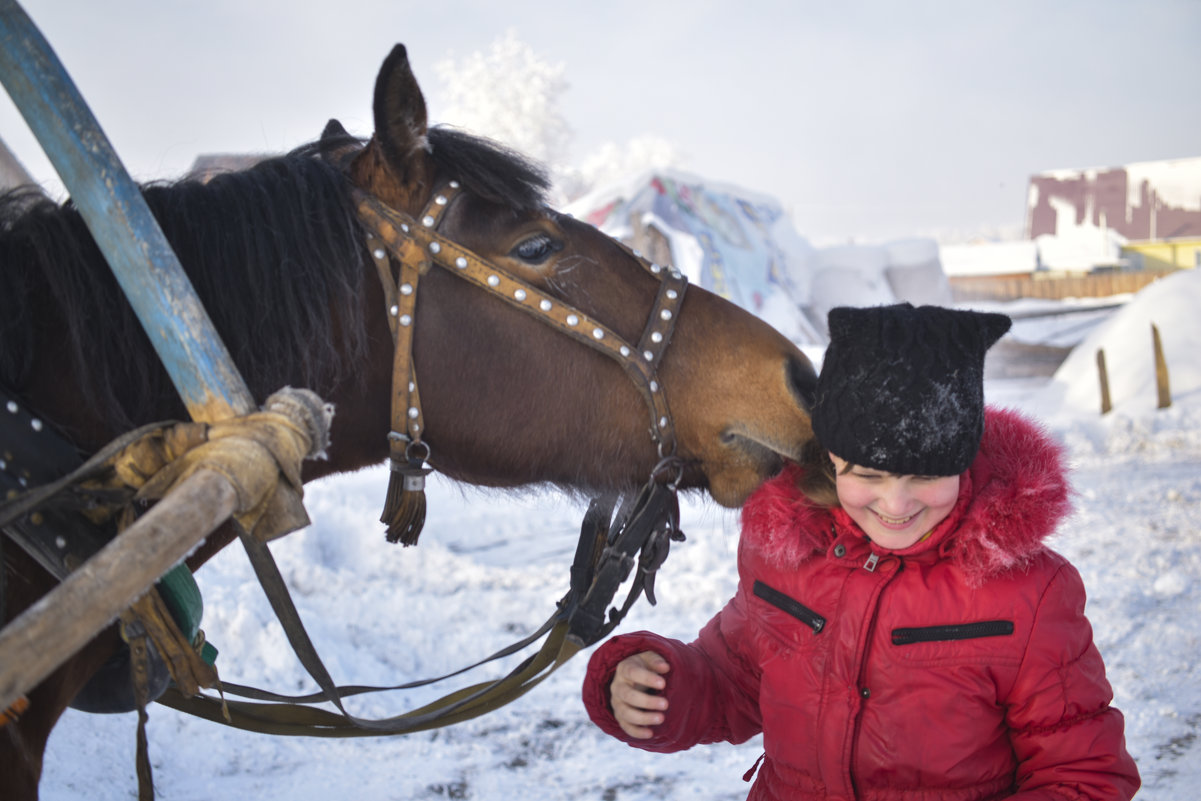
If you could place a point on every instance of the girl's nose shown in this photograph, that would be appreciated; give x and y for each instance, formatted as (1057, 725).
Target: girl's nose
(895, 499)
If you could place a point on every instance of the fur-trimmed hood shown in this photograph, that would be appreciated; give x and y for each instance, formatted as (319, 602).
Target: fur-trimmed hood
(1012, 498)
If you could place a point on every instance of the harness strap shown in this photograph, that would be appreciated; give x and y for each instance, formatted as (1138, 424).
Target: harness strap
(293, 718)
(604, 558)
(465, 704)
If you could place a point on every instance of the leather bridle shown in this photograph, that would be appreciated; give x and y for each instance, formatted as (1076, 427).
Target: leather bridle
(416, 246)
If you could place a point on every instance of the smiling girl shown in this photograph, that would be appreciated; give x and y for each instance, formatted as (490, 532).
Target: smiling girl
(900, 629)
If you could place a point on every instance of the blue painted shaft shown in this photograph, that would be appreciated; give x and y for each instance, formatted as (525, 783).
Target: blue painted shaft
(120, 221)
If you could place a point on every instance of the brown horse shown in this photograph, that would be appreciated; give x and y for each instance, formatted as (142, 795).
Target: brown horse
(279, 259)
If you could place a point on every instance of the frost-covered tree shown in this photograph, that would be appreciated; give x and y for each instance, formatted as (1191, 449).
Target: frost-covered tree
(612, 162)
(510, 94)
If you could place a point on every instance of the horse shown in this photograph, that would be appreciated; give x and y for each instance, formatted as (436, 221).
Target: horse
(280, 259)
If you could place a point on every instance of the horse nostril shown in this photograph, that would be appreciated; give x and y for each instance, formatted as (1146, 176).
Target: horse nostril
(802, 381)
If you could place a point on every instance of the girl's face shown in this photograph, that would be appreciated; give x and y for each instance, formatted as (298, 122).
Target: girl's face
(894, 511)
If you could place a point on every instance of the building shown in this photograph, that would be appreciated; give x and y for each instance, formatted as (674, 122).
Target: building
(1163, 254)
(1147, 201)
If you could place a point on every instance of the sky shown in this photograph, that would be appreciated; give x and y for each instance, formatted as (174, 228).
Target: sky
(867, 119)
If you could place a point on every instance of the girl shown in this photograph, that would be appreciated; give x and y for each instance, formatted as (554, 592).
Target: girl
(900, 630)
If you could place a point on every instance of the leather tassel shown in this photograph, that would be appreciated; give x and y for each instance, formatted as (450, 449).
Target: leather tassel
(404, 508)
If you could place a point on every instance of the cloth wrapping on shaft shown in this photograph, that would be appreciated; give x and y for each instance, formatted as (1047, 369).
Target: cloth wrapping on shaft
(260, 454)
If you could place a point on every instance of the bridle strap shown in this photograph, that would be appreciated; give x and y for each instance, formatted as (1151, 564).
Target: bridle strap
(417, 245)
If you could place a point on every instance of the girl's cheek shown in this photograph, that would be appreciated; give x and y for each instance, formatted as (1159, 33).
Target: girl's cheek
(852, 493)
(942, 492)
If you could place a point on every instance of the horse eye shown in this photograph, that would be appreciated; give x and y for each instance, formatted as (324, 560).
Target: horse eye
(537, 248)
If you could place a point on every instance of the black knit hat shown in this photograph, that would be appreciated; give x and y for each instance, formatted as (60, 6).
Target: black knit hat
(902, 388)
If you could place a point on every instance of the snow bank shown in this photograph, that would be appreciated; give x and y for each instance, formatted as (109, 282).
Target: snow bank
(990, 258)
(1079, 248)
(1172, 304)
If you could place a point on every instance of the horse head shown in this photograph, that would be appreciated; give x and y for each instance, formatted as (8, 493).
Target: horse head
(509, 400)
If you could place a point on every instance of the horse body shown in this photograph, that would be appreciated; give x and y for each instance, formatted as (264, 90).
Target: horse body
(278, 258)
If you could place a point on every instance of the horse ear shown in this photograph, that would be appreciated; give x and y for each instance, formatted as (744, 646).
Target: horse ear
(333, 130)
(336, 144)
(400, 115)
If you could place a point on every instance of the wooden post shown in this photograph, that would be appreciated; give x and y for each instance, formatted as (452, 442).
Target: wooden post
(1106, 406)
(48, 633)
(1163, 389)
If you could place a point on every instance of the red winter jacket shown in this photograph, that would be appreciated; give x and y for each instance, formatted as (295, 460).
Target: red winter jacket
(961, 668)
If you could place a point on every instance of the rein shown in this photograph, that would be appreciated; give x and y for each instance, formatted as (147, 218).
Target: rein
(418, 245)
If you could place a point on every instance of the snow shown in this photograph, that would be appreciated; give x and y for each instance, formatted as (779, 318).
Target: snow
(1175, 182)
(1170, 305)
(990, 258)
(491, 566)
(1077, 246)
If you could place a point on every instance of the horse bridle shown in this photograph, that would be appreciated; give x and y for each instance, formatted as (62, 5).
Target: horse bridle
(608, 550)
(417, 245)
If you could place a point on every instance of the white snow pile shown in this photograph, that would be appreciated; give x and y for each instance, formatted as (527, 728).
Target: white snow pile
(876, 275)
(1019, 256)
(1171, 305)
(1078, 247)
(491, 566)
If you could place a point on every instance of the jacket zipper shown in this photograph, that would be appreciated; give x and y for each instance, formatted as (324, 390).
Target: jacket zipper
(790, 605)
(960, 631)
(861, 677)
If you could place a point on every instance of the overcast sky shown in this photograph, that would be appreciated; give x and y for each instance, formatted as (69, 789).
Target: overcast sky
(867, 119)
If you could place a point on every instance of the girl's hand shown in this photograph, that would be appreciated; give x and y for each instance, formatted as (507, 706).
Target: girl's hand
(634, 693)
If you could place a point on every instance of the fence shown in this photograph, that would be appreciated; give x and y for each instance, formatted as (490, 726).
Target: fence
(1094, 285)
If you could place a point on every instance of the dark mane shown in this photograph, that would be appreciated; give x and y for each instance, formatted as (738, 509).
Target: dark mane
(275, 253)
(488, 169)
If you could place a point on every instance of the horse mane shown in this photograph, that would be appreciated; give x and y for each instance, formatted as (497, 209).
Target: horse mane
(274, 251)
(275, 254)
(488, 169)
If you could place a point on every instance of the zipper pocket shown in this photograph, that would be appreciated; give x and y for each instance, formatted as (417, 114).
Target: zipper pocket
(960, 631)
(790, 605)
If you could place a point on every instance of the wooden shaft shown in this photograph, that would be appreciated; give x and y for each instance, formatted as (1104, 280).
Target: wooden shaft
(48, 633)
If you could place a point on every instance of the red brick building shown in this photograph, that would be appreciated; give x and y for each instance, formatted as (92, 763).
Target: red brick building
(1152, 200)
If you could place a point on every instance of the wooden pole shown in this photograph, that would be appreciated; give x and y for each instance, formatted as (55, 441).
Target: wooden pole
(1163, 388)
(48, 633)
(1106, 406)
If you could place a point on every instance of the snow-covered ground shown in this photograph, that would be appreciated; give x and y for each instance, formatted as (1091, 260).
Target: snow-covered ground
(490, 568)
